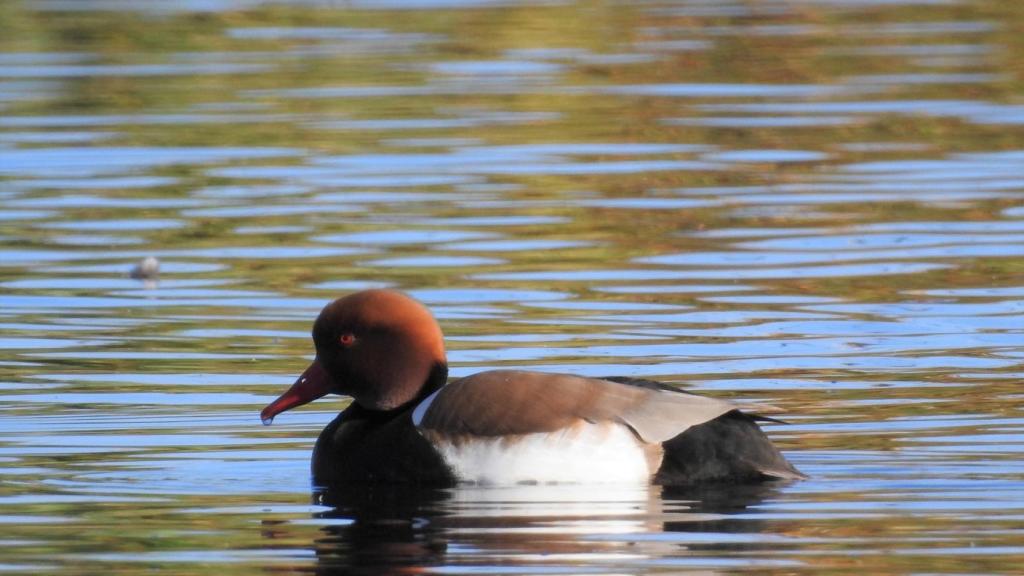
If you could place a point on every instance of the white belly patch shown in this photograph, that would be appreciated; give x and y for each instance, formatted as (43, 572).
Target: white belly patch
(583, 454)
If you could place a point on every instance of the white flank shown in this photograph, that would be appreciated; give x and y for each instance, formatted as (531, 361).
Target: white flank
(584, 454)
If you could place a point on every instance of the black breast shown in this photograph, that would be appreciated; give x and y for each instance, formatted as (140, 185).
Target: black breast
(366, 446)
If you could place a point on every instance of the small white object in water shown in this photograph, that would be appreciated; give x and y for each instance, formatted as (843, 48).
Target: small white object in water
(147, 269)
(268, 421)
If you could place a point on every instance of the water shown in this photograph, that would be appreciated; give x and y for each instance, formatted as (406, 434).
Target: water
(817, 205)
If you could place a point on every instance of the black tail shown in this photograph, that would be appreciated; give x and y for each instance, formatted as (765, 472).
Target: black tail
(730, 448)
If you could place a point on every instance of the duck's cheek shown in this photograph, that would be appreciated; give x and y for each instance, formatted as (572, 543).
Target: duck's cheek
(312, 384)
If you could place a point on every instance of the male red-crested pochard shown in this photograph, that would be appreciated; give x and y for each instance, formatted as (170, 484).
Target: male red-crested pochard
(407, 424)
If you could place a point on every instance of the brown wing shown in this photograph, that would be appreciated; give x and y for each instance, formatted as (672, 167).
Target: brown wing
(503, 402)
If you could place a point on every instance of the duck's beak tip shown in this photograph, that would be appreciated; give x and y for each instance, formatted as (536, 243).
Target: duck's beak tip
(312, 384)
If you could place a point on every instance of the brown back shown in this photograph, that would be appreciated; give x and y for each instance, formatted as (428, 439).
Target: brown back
(503, 402)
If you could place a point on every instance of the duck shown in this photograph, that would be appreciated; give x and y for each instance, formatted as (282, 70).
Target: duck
(408, 424)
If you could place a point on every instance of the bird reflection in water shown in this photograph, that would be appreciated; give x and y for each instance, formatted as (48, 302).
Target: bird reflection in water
(402, 530)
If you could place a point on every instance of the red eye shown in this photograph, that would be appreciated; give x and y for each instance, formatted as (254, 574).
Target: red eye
(347, 339)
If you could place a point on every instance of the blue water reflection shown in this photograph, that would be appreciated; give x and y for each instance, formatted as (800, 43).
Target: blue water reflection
(814, 205)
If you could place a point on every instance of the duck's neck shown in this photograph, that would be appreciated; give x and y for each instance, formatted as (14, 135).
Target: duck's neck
(437, 378)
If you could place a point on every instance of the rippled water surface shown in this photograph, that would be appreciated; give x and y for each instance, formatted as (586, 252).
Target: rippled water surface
(817, 204)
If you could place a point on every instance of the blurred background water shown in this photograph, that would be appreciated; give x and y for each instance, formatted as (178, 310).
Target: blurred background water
(813, 203)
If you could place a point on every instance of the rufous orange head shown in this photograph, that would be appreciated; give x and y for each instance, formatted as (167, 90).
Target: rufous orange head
(377, 346)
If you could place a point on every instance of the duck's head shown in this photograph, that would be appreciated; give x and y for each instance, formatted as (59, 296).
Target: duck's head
(380, 347)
